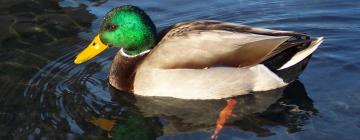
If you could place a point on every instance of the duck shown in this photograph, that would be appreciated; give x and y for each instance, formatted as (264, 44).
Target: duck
(199, 59)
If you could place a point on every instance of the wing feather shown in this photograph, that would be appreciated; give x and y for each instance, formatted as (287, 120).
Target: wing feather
(201, 44)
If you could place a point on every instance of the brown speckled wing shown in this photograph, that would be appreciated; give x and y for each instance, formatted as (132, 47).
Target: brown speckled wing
(184, 27)
(202, 44)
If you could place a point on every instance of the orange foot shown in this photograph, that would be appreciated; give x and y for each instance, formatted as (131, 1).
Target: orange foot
(224, 115)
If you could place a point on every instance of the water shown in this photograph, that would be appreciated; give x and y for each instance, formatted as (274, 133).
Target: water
(45, 96)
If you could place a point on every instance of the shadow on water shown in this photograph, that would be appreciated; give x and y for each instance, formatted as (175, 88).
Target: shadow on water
(33, 33)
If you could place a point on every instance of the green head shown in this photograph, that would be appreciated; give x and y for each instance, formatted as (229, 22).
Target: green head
(130, 28)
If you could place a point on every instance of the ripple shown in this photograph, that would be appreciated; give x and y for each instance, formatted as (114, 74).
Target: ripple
(65, 92)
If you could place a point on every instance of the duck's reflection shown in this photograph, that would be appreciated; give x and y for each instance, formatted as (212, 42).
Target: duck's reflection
(150, 117)
(291, 110)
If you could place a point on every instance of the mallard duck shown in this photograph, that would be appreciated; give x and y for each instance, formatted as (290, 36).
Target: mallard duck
(201, 59)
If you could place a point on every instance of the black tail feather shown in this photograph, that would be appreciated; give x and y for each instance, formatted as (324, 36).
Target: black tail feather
(291, 73)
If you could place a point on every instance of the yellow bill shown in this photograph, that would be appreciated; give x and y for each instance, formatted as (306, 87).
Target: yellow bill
(95, 47)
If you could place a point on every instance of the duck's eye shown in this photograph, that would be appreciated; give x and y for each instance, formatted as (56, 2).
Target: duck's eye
(111, 27)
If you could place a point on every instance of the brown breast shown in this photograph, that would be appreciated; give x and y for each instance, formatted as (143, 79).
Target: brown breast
(123, 70)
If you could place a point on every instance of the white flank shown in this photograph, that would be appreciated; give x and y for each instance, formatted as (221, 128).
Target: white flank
(303, 54)
(211, 83)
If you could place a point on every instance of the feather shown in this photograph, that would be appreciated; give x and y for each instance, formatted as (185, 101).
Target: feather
(200, 49)
(303, 54)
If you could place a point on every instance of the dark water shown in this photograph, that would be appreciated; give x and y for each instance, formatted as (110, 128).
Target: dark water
(45, 96)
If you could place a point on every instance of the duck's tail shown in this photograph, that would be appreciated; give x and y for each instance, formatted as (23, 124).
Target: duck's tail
(290, 63)
(301, 55)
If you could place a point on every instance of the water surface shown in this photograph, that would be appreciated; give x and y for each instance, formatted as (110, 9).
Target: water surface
(45, 96)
